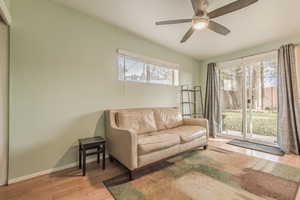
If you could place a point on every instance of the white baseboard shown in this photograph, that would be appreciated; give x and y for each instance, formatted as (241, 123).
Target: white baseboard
(48, 171)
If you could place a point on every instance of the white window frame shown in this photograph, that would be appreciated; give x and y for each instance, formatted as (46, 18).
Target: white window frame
(148, 61)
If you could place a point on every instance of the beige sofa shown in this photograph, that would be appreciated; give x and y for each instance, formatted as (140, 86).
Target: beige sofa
(139, 137)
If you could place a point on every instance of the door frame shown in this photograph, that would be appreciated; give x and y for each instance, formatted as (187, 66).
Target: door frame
(5, 20)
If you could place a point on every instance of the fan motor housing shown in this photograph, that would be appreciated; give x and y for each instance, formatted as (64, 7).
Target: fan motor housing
(200, 21)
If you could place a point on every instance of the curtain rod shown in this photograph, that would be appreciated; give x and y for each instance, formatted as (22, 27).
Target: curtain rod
(242, 57)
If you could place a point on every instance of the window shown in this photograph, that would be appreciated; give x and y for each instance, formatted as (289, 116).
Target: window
(131, 69)
(141, 69)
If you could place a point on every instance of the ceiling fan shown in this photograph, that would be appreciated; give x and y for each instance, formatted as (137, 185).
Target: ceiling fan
(202, 19)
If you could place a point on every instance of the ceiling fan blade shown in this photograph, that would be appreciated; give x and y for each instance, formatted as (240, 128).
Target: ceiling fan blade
(176, 21)
(196, 6)
(188, 35)
(231, 8)
(218, 28)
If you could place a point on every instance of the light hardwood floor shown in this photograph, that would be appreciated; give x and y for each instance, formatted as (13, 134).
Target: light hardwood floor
(70, 185)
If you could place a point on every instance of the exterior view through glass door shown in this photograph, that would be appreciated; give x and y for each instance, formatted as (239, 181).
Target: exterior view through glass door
(248, 98)
(231, 100)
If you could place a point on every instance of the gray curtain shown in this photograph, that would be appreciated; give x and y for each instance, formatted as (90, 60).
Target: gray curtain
(212, 104)
(288, 108)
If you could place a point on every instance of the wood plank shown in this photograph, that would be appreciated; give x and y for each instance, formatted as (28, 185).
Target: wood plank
(70, 185)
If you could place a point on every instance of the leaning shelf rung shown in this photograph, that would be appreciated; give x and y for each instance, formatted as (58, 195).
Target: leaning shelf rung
(190, 90)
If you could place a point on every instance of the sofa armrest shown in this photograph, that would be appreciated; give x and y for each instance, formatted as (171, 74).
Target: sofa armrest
(123, 146)
(197, 122)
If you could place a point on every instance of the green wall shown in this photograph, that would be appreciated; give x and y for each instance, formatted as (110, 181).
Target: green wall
(245, 52)
(64, 74)
(7, 2)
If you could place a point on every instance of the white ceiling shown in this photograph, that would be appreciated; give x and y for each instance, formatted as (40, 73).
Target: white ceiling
(265, 21)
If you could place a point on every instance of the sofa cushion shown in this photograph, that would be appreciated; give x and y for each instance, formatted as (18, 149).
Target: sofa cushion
(188, 133)
(167, 118)
(154, 142)
(138, 121)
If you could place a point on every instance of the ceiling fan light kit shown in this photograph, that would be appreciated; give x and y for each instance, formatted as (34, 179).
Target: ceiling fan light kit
(202, 19)
(200, 22)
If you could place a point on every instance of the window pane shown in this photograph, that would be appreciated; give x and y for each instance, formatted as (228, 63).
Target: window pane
(121, 60)
(160, 75)
(176, 77)
(270, 73)
(135, 70)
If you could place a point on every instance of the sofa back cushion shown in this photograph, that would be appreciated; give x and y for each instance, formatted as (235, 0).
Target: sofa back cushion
(167, 118)
(138, 121)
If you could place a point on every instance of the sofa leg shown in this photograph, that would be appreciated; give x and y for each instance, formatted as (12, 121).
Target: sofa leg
(131, 175)
(205, 147)
(111, 158)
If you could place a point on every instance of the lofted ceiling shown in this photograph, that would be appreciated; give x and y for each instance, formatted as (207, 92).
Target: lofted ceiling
(262, 22)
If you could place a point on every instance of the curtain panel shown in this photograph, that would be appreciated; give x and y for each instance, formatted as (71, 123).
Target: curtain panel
(288, 107)
(212, 104)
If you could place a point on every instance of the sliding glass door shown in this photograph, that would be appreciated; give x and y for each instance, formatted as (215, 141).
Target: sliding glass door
(231, 98)
(261, 95)
(4, 68)
(248, 96)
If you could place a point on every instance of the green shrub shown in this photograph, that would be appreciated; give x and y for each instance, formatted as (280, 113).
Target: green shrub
(263, 123)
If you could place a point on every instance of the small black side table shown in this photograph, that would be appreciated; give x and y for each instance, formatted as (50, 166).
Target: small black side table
(87, 144)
